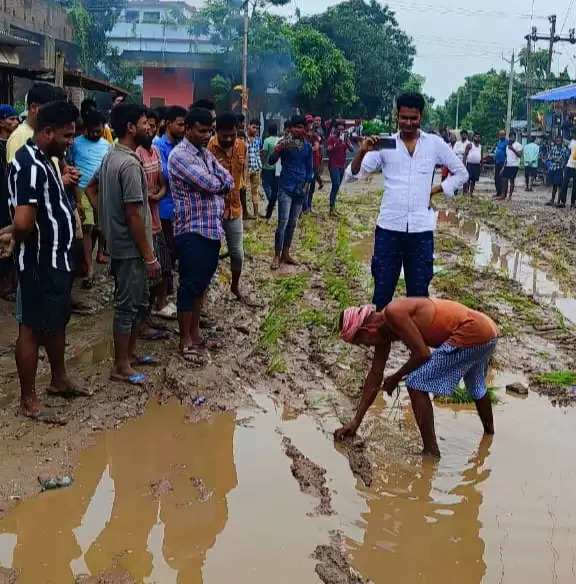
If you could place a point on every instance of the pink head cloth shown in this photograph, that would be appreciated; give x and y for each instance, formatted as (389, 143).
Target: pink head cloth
(354, 318)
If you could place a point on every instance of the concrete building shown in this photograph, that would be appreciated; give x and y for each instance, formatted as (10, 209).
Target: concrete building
(176, 65)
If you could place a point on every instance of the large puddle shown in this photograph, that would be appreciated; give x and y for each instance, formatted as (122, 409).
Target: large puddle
(494, 250)
(229, 510)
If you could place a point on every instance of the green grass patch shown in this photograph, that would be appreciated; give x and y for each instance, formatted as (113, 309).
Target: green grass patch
(460, 396)
(560, 378)
(317, 317)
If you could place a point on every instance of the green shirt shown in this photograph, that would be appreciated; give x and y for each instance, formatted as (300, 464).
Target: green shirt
(531, 153)
(268, 149)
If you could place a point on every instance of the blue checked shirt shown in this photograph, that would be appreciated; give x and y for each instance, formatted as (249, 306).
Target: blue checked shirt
(199, 184)
(254, 148)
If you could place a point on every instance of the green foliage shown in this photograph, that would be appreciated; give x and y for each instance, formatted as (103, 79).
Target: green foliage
(460, 396)
(560, 378)
(369, 36)
(374, 127)
(221, 88)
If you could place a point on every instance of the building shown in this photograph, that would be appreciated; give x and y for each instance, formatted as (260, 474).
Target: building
(176, 65)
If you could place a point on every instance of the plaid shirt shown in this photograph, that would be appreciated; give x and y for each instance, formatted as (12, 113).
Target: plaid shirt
(198, 184)
(254, 148)
(558, 155)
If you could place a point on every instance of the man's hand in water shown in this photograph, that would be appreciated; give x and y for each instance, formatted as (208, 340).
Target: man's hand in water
(346, 431)
(389, 385)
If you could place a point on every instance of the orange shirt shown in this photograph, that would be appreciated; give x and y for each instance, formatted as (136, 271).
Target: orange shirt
(234, 161)
(458, 325)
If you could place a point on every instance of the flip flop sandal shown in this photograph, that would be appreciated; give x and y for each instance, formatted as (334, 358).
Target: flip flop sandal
(136, 379)
(45, 417)
(68, 391)
(146, 360)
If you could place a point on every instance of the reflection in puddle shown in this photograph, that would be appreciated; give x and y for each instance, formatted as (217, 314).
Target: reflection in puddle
(485, 509)
(493, 250)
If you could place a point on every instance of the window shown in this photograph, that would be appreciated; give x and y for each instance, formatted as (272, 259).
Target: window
(151, 17)
(132, 16)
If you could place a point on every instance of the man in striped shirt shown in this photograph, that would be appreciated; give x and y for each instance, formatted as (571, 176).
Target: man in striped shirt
(198, 184)
(44, 230)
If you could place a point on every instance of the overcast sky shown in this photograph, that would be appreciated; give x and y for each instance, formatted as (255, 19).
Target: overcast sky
(455, 39)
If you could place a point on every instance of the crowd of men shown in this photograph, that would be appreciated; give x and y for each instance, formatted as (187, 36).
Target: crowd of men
(159, 190)
(147, 192)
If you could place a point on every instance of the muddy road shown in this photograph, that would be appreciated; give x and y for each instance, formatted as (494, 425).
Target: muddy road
(247, 485)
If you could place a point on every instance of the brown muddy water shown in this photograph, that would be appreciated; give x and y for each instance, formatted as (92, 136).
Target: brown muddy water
(496, 251)
(180, 503)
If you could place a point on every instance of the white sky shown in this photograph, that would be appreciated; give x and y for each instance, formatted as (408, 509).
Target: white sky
(455, 39)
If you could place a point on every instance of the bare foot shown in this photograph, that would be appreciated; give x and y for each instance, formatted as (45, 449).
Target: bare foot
(432, 453)
(66, 387)
(33, 409)
(288, 259)
(275, 263)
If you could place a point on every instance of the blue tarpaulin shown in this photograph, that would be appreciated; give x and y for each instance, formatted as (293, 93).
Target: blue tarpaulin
(564, 93)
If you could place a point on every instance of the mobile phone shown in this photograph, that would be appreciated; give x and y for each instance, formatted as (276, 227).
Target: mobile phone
(386, 143)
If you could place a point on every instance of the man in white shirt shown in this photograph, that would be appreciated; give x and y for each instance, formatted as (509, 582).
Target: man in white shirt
(513, 154)
(406, 223)
(570, 175)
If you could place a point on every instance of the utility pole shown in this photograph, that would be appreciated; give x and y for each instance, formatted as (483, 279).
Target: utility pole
(552, 20)
(510, 89)
(245, 64)
(457, 109)
(529, 83)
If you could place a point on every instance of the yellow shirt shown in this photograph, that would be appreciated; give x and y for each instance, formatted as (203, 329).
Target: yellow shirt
(17, 139)
(234, 161)
(108, 134)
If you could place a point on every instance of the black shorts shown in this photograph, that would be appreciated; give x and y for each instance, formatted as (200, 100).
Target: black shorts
(197, 261)
(46, 296)
(530, 171)
(510, 172)
(473, 171)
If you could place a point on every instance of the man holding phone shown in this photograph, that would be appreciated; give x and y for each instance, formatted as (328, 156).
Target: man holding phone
(405, 228)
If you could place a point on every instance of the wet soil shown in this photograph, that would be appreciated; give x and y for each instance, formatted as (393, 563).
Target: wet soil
(169, 491)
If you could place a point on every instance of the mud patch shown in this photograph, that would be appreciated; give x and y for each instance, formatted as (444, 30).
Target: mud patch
(310, 477)
(8, 576)
(161, 488)
(333, 567)
(204, 494)
(360, 464)
(108, 577)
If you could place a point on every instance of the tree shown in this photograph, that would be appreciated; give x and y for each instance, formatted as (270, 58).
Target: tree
(369, 36)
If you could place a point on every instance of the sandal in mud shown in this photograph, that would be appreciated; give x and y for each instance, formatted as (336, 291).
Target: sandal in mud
(136, 379)
(72, 391)
(146, 360)
(195, 355)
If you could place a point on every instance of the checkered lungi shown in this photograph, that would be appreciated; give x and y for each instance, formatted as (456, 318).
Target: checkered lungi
(442, 373)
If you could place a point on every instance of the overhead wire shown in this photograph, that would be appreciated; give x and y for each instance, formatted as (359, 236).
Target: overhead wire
(566, 15)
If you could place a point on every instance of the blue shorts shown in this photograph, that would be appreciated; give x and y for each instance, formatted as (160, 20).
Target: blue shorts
(442, 373)
(197, 262)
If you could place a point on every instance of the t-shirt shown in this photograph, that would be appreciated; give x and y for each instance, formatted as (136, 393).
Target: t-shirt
(571, 161)
(314, 141)
(121, 180)
(460, 148)
(153, 170)
(268, 149)
(87, 156)
(17, 139)
(474, 154)
(531, 153)
(513, 159)
(336, 152)
(500, 153)
(458, 325)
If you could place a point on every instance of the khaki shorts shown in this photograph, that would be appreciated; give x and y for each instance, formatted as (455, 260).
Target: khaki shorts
(87, 208)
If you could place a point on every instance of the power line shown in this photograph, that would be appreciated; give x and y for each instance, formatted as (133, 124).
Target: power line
(444, 9)
(566, 15)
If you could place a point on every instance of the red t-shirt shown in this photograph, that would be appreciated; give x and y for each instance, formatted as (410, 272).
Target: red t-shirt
(336, 152)
(316, 154)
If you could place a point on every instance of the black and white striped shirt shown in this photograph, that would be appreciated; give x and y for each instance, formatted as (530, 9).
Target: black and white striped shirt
(33, 180)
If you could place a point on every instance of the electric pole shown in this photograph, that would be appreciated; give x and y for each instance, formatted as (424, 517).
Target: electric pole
(245, 64)
(553, 39)
(529, 83)
(510, 90)
(457, 109)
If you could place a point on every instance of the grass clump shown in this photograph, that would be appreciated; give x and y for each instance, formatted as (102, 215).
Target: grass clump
(460, 396)
(559, 378)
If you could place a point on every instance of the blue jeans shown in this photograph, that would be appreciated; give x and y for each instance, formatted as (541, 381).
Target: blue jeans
(336, 176)
(270, 185)
(308, 198)
(289, 209)
(394, 250)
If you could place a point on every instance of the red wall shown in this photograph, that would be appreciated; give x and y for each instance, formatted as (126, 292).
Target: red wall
(176, 86)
